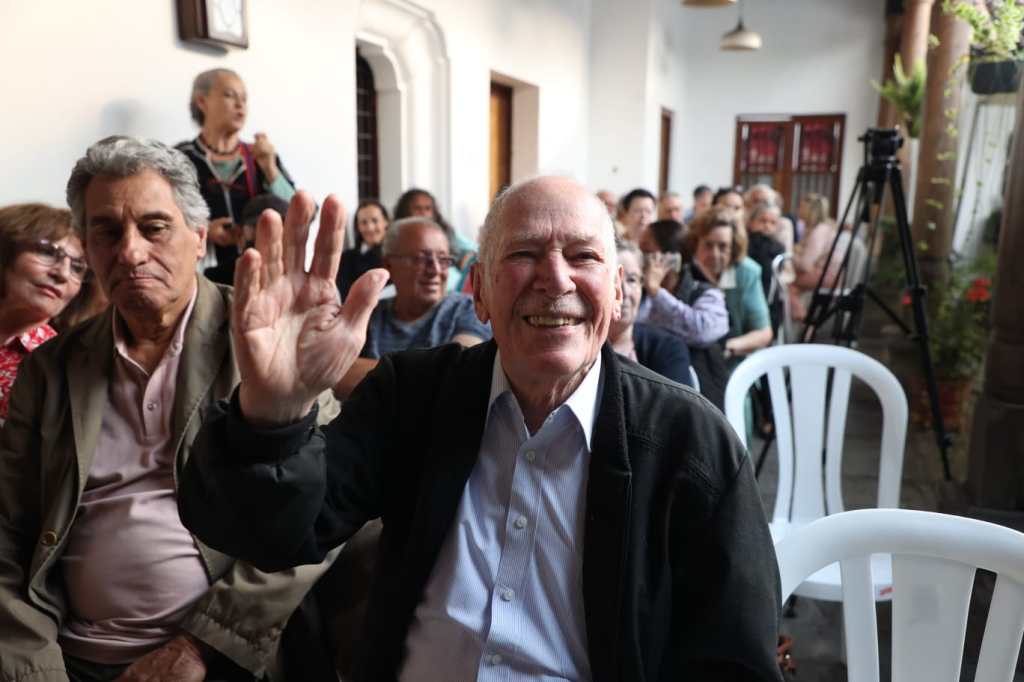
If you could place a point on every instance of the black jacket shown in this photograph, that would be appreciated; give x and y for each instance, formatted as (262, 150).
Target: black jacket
(679, 573)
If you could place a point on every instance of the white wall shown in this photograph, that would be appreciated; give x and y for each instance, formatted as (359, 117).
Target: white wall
(619, 106)
(78, 71)
(818, 57)
(542, 43)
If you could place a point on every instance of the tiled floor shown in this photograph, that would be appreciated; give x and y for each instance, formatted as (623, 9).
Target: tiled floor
(816, 626)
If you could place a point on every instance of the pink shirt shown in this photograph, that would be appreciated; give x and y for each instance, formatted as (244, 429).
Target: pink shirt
(131, 568)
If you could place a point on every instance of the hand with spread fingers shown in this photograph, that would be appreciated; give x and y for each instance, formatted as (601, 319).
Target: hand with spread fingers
(293, 338)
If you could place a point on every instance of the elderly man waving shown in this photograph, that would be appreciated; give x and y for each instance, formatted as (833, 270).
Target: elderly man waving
(99, 579)
(551, 511)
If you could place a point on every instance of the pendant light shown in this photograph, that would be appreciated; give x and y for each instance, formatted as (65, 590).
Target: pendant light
(708, 3)
(740, 38)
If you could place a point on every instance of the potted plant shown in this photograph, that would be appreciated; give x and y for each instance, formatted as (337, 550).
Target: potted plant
(958, 335)
(996, 26)
(906, 92)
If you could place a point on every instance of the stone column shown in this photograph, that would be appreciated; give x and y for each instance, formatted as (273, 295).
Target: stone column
(935, 196)
(995, 467)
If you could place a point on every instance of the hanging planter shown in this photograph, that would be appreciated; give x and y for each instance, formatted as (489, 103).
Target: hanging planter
(994, 77)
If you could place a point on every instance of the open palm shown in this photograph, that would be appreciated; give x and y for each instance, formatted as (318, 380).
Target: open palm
(293, 338)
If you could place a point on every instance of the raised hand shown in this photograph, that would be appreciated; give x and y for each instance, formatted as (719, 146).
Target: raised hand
(263, 153)
(180, 660)
(293, 339)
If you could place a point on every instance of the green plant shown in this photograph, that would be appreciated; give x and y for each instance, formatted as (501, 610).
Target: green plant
(906, 92)
(995, 32)
(958, 329)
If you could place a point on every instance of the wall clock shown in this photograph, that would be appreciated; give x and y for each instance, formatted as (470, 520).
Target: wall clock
(214, 22)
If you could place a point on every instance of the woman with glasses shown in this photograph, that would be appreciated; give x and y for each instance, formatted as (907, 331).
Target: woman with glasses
(41, 269)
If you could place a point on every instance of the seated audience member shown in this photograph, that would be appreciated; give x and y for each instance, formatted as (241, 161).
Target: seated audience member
(670, 207)
(673, 301)
(421, 203)
(610, 201)
(784, 232)
(638, 208)
(421, 314)
(730, 198)
(371, 220)
(763, 248)
(702, 195)
(655, 349)
(99, 579)
(692, 310)
(719, 244)
(549, 511)
(231, 172)
(41, 270)
(812, 252)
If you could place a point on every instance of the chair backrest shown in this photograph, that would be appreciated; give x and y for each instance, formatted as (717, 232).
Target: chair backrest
(809, 413)
(694, 379)
(782, 276)
(934, 559)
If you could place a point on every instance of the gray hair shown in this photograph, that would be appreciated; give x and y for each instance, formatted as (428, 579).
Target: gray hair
(394, 232)
(761, 208)
(489, 233)
(630, 247)
(120, 156)
(201, 86)
(773, 196)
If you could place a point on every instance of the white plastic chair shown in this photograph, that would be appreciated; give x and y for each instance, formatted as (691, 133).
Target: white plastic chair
(810, 418)
(934, 559)
(782, 277)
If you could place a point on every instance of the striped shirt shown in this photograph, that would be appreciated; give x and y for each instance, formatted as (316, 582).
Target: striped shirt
(505, 599)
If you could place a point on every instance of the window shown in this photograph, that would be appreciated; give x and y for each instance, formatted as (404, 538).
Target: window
(794, 154)
(366, 131)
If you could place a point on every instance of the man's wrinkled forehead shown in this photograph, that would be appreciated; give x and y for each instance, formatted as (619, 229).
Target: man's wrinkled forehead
(541, 218)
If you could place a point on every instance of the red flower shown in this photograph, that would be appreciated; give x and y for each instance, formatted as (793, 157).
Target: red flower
(982, 282)
(978, 294)
(906, 299)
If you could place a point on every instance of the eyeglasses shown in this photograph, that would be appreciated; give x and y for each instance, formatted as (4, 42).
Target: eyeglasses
(50, 254)
(422, 260)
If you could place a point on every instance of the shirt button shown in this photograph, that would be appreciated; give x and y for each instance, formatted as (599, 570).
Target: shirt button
(531, 455)
(520, 522)
(151, 406)
(507, 594)
(496, 659)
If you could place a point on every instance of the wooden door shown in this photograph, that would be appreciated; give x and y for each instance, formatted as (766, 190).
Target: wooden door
(366, 131)
(794, 154)
(501, 138)
(666, 150)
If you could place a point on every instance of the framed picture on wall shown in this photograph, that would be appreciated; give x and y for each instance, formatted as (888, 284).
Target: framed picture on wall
(214, 22)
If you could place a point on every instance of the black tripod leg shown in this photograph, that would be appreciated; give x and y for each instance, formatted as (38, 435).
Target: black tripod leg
(887, 310)
(764, 453)
(917, 294)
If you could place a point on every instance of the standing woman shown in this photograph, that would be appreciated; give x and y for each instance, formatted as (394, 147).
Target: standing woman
(231, 172)
(41, 269)
(371, 223)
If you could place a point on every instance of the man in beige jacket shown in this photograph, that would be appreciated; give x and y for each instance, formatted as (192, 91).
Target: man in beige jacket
(99, 580)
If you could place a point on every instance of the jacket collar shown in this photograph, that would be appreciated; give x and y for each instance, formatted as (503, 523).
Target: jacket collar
(607, 523)
(89, 371)
(451, 460)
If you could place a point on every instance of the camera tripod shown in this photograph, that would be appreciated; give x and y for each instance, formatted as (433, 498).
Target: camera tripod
(845, 303)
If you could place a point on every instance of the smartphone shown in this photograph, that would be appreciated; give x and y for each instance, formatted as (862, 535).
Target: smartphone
(675, 260)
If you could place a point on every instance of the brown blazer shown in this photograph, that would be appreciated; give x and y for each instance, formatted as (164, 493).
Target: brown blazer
(46, 451)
